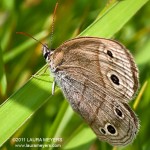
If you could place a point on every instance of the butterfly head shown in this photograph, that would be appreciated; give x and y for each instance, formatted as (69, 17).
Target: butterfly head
(46, 53)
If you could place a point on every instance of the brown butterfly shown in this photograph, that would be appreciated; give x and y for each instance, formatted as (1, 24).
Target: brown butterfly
(98, 77)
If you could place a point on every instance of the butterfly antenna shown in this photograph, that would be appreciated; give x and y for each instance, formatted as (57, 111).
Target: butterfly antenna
(52, 30)
(52, 26)
(29, 35)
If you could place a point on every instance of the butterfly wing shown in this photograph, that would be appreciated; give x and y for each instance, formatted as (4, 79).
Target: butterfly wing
(98, 77)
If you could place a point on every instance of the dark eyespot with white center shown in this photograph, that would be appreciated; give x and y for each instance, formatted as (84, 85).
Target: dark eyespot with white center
(111, 129)
(114, 79)
(118, 112)
(108, 129)
(102, 131)
(109, 53)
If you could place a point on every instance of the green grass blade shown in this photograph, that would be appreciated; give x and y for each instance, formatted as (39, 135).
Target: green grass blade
(21, 105)
(142, 56)
(114, 19)
(3, 82)
(76, 142)
(138, 99)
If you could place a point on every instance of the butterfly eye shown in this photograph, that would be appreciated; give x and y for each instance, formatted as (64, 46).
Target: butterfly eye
(109, 53)
(46, 55)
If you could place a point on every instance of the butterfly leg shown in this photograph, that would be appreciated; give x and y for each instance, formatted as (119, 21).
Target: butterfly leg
(53, 86)
(42, 73)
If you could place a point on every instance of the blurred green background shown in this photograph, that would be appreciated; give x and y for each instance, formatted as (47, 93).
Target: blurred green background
(20, 58)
